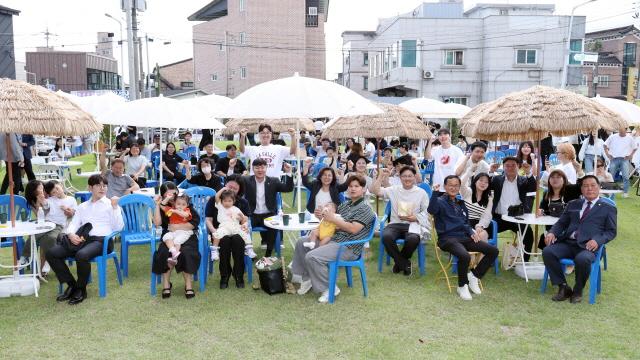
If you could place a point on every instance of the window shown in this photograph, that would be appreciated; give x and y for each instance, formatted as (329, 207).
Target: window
(603, 80)
(221, 47)
(453, 57)
(243, 72)
(575, 48)
(504, 12)
(241, 5)
(585, 80)
(526, 57)
(214, 77)
(462, 100)
(243, 38)
(365, 83)
(629, 55)
(186, 84)
(365, 58)
(394, 55)
(408, 55)
(313, 11)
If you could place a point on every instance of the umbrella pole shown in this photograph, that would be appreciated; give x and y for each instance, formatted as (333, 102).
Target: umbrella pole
(538, 166)
(378, 171)
(299, 166)
(160, 163)
(11, 199)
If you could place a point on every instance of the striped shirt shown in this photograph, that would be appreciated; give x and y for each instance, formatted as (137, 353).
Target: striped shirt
(355, 211)
(475, 210)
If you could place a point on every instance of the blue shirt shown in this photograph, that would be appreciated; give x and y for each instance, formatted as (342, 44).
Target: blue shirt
(450, 217)
(26, 150)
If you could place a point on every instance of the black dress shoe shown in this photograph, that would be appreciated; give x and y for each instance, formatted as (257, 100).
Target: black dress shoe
(78, 296)
(564, 293)
(224, 283)
(576, 297)
(66, 295)
(396, 269)
(240, 284)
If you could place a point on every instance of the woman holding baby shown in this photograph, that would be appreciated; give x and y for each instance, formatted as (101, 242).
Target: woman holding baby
(408, 216)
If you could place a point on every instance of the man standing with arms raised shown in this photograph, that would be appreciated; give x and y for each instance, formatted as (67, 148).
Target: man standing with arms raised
(273, 155)
(446, 157)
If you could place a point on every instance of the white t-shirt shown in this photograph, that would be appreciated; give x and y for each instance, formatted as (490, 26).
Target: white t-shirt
(370, 150)
(55, 214)
(620, 146)
(318, 125)
(569, 171)
(227, 215)
(323, 198)
(134, 163)
(272, 154)
(405, 202)
(445, 161)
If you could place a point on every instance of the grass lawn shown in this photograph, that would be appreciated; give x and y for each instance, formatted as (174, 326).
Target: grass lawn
(403, 317)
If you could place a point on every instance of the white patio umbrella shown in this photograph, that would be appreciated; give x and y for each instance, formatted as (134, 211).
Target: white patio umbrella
(298, 97)
(628, 110)
(160, 112)
(433, 109)
(210, 104)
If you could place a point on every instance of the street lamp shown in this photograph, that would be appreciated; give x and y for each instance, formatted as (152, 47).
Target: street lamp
(121, 50)
(568, 47)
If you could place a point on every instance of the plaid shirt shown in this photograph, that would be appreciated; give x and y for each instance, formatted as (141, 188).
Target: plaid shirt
(359, 212)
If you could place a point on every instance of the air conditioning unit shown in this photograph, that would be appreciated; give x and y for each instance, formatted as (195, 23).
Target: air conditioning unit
(427, 74)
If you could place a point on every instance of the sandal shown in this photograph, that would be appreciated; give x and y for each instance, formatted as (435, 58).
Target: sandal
(166, 292)
(189, 293)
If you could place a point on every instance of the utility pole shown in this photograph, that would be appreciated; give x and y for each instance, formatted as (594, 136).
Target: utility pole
(136, 52)
(141, 87)
(147, 40)
(133, 84)
(226, 50)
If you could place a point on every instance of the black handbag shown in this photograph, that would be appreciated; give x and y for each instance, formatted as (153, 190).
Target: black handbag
(272, 281)
(515, 210)
(556, 209)
(83, 232)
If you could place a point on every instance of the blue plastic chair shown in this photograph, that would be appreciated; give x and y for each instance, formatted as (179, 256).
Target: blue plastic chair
(422, 247)
(493, 241)
(428, 170)
(137, 212)
(222, 155)
(22, 212)
(348, 265)
(199, 196)
(101, 261)
(315, 170)
(190, 151)
(511, 152)
(278, 233)
(82, 196)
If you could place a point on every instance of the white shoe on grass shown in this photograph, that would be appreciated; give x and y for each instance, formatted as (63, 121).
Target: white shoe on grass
(324, 298)
(463, 291)
(305, 286)
(474, 284)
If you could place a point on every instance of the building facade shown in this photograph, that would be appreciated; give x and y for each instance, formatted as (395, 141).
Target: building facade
(176, 78)
(440, 51)
(242, 43)
(355, 64)
(7, 56)
(616, 72)
(73, 71)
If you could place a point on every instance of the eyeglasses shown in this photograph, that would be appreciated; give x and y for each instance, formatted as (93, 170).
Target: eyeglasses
(600, 165)
(103, 186)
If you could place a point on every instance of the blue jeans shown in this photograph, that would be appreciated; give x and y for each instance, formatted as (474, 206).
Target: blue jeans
(588, 163)
(621, 165)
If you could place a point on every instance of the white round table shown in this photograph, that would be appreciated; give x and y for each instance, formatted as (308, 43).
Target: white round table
(67, 163)
(151, 192)
(610, 192)
(88, 174)
(527, 220)
(275, 222)
(64, 167)
(22, 284)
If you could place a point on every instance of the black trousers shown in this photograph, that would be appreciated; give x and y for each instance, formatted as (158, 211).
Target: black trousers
(568, 250)
(232, 247)
(28, 169)
(176, 178)
(269, 236)
(393, 232)
(528, 236)
(57, 254)
(17, 179)
(142, 182)
(460, 248)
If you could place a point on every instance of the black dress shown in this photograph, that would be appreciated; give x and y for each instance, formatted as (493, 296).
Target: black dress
(189, 259)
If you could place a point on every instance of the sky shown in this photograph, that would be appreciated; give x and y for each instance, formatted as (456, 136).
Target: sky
(76, 22)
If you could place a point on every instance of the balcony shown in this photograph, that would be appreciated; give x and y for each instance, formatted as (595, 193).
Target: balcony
(311, 21)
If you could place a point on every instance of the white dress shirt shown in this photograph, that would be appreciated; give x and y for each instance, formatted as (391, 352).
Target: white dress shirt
(510, 196)
(261, 202)
(102, 216)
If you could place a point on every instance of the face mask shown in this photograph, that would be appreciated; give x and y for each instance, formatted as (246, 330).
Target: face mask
(206, 170)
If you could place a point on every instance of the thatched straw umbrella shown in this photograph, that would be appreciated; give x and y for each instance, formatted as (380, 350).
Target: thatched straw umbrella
(533, 113)
(279, 125)
(394, 121)
(31, 109)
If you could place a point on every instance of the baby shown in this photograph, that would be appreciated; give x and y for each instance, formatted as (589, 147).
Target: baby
(231, 220)
(178, 213)
(325, 230)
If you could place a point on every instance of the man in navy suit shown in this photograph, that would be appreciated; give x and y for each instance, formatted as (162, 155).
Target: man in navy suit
(585, 225)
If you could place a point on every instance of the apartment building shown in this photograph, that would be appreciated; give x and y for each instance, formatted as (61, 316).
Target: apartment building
(242, 43)
(440, 51)
(176, 78)
(616, 71)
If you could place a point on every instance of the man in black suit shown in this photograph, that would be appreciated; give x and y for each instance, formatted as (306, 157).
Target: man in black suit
(585, 225)
(260, 192)
(510, 189)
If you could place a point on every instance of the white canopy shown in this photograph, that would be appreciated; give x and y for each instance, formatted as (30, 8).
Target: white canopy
(434, 109)
(627, 110)
(212, 105)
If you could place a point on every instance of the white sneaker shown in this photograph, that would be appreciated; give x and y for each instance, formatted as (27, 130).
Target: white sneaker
(215, 255)
(305, 286)
(324, 298)
(463, 291)
(474, 286)
(625, 195)
(309, 244)
(24, 261)
(249, 252)
(46, 268)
